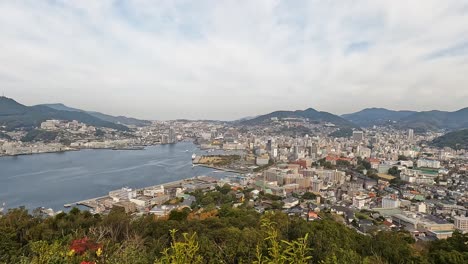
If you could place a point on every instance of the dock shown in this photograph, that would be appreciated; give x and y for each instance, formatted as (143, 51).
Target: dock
(92, 202)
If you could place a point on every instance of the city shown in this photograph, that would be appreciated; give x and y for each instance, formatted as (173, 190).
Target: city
(230, 131)
(378, 178)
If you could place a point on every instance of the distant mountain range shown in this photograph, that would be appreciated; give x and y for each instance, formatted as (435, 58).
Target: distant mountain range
(113, 119)
(376, 116)
(419, 121)
(310, 113)
(15, 115)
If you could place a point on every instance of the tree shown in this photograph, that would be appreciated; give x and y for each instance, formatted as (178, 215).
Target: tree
(403, 157)
(394, 171)
(182, 252)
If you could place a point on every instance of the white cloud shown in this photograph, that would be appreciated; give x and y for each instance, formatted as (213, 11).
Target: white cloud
(228, 59)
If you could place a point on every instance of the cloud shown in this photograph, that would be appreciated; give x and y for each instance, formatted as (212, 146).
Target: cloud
(229, 59)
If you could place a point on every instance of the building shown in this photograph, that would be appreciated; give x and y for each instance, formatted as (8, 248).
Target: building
(269, 145)
(172, 137)
(50, 125)
(426, 163)
(123, 194)
(410, 135)
(359, 201)
(261, 161)
(461, 223)
(316, 185)
(358, 135)
(390, 202)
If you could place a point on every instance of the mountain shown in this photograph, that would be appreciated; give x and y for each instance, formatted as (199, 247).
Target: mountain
(376, 116)
(456, 140)
(419, 121)
(62, 107)
(436, 120)
(114, 119)
(310, 113)
(15, 115)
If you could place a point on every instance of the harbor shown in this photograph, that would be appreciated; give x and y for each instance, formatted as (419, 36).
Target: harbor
(53, 180)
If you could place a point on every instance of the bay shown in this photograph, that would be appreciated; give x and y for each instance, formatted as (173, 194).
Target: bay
(54, 179)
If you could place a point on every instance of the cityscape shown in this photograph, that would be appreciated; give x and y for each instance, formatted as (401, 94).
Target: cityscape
(234, 132)
(378, 177)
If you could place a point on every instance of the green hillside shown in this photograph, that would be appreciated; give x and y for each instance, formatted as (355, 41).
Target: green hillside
(455, 140)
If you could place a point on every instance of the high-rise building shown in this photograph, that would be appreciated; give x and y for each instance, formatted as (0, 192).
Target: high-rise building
(410, 135)
(269, 145)
(358, 135)
(316, 185)
(172, 136)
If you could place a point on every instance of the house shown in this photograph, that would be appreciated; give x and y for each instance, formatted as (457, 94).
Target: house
(365, 225)
(311, 216)
(290, 202)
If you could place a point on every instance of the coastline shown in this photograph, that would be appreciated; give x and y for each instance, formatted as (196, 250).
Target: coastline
(79, 149)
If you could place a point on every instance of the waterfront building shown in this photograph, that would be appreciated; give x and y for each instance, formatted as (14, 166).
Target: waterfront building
(172, 136)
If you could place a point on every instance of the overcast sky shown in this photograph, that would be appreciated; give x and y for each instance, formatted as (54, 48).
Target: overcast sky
(225, 59)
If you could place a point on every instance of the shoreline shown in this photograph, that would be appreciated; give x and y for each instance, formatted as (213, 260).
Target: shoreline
(142, 147)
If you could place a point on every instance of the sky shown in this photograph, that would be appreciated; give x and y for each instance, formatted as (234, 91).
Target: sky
(223, 59)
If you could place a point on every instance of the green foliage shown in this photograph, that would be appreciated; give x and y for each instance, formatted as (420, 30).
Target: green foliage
(40, 135)
(4, 136)
(455, 140)
(403, 157)
(342, 133)
(394, 171)
(182, 252)
(343, 163)
(278, 252)
(309, 196)
(453, 250)
(225, 235)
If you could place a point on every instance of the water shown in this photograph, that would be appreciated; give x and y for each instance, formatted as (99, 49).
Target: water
(52, 180)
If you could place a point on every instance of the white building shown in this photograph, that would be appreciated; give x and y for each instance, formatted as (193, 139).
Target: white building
(390, 202)
(50, 124)
(410, 135)
(426, 163)
(122, 194)
(359, 201)
(461, 223)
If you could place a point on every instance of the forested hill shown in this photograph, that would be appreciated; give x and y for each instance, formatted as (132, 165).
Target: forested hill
(109, 118)
(311, 114)
(14, 115)
(454, 140)
(376, 116)
(419, 121)
(225, 235)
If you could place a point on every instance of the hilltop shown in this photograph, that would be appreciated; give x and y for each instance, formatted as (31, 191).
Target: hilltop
(14, 115)
(310, 114)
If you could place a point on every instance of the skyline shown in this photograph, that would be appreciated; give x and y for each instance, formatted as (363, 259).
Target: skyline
(176, 59)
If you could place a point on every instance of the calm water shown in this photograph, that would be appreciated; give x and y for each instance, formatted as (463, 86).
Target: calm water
(52, 180)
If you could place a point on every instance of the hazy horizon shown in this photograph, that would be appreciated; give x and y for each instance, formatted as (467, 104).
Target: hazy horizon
(225, 60)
